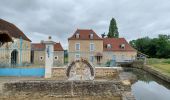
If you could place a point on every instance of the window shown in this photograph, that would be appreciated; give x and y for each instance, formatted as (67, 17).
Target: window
(91, 46)
(77, 46)
(122, 46)
(109, 46)
(91, 58)
(77, 56)
(41, 58)
(56, 58)
(91, 36)
(77, 35)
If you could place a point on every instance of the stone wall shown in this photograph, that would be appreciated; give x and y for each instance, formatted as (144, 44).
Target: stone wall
(108, 72)
(58, 57)
(153, 71)
(7, 48)
(59, 72)
(156, 73)
(134, 64)
(100, 72)
(39, 57)
(119, 56)
(67, 88)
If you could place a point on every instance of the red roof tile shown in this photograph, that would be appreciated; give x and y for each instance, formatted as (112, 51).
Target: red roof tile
(38, 46)
(115, 44)
(41, 46)
(12, 30)
(58, 47)
(84, 35)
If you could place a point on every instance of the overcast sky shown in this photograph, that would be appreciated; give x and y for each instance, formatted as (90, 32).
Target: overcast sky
(39, 19)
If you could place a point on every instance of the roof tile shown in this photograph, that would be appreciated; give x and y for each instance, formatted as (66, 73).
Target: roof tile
(84, 35)
(115, 44)
(41, 46)
(12, 30)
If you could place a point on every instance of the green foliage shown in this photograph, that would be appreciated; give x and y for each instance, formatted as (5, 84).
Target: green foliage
(151, 61)
(167, 61)
(156, 47)
(113, 30)
(108, 63)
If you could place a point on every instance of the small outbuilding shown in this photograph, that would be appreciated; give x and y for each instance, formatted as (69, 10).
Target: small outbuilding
(15, 46)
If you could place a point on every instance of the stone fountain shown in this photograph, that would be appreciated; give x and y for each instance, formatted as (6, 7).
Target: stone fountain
(80, 70)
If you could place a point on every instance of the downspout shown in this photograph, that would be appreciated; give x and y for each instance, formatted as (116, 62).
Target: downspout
(21, 42)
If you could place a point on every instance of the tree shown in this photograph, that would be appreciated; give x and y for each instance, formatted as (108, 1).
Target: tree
(113, 30)
(154, 47)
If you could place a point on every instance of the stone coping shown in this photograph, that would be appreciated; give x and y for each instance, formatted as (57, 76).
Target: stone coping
(156, 73)
(96, 67)
(66, 87)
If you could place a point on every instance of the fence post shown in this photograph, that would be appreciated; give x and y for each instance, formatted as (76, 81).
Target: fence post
(49, 50)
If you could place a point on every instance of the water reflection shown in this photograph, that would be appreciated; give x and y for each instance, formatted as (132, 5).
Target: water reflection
(149, 87)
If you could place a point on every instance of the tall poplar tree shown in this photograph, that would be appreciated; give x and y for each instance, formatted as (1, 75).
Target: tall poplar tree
(113, 30)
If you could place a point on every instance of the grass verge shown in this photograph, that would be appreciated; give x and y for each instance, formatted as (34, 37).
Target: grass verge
(162, 65)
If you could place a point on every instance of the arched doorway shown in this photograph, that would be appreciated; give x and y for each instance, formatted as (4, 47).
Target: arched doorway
(14, 57)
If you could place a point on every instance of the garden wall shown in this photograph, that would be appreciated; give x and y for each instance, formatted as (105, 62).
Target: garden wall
(99, 72)
(67, 88)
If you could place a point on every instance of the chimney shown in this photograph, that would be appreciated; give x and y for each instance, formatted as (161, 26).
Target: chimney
(42, 41)
(103, 35)
(49, 38)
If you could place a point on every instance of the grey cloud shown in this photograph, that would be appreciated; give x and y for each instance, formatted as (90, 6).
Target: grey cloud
(135, 18)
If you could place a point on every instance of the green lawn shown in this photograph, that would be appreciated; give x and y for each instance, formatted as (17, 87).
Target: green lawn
(162, 65)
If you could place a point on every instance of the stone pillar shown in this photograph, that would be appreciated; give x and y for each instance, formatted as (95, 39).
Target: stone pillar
(49, 49)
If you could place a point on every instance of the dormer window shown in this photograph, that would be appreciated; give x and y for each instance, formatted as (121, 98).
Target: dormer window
(77, 35)
(91, 35)
(109, 46)
(122, 46)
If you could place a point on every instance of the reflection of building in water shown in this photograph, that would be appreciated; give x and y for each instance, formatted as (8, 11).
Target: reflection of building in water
(80, 70)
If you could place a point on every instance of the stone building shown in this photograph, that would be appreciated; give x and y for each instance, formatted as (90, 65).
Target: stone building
(85, 43)
(118, 49)
(16, 50)
(38, 54)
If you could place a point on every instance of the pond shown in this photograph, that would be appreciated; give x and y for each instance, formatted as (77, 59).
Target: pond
(148, 87)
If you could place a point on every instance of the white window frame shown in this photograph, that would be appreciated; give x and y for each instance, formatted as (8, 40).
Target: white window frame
(91, 57)
(76, 58)
(76, 46)
(109, 46)
(77, 35)
(93, 47)
(122, 46)
(91, 35)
